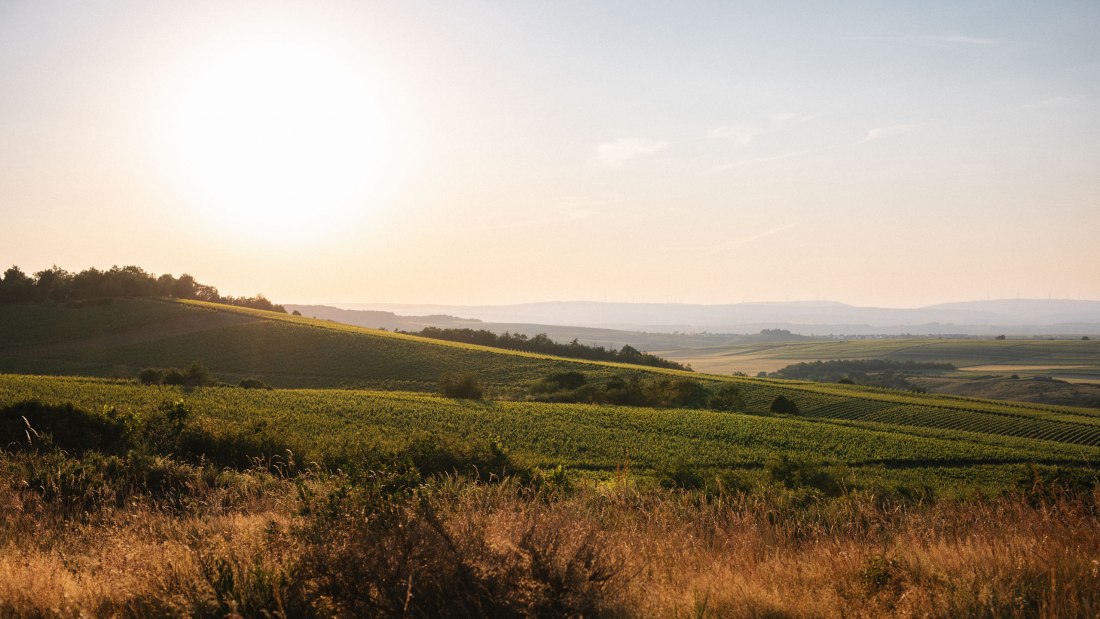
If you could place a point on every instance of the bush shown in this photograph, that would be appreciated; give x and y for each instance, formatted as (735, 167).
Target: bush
(795, 474)
(253, 383)
(383, 549)
(464, 386)
(781, 404)
(151, 376)
(34, 425)
(726, 398)
(195, 375)
(681, 475)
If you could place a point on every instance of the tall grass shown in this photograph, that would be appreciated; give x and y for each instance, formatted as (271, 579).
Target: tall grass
(389, 544)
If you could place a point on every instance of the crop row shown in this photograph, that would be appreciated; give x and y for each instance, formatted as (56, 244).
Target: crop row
(321, 422)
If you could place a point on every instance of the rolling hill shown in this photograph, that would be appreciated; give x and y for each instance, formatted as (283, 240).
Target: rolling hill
(119, 339)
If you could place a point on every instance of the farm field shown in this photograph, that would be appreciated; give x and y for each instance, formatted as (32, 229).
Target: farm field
(293, 352)
(1069, 370)
(122, 338)
(1023, 356)
(320, 497)
(878, 438)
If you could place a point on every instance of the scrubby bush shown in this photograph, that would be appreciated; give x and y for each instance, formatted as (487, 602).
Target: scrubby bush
(151, 376)
(194, 375)
(782, 404)
(796, 473)
(726, 398)
(253, 383)
(463, 386)
(681, 475)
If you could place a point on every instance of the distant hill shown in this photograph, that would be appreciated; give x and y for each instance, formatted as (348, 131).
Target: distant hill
(1013, 316)
(121, 338)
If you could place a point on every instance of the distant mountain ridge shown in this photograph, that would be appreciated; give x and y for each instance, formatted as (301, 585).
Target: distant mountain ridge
(1016, 316)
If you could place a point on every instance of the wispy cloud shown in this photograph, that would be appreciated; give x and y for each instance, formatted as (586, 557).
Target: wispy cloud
(740, 163)
(711, 250)
(931, 40)
(879, 133)
(742, 134)
(616, 153)
(728, 245)
(745, 133)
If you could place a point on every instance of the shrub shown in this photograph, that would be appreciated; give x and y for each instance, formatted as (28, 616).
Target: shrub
(151, 376)
(33, 424)
(196, 375)
(727, 398)
(681, 475)
(463, 386)
(795, 473)
(782, 404)
(253, 383)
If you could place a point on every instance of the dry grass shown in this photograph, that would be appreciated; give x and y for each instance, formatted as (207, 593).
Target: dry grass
(463, 549)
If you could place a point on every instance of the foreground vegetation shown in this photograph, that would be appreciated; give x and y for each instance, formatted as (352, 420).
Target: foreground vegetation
(155, 514)
(340, 429)
(534, 486)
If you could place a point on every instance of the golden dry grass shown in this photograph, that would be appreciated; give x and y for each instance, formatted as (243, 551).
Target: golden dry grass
(614, 549)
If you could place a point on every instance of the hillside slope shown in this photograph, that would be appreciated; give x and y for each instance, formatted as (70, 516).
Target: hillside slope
(119, 339)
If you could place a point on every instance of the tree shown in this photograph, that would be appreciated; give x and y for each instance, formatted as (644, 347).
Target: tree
(184, 287)
(782, 404)
(53, 284)
(16, 286)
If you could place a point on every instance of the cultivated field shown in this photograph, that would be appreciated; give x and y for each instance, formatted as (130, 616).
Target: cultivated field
(1062, 358)
(122, 499)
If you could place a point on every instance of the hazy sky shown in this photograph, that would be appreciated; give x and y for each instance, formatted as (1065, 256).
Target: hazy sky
(497, 152)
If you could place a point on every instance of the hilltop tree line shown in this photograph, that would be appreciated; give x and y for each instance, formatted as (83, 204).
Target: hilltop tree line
(58, 285)
(542, 344)
(871, 372)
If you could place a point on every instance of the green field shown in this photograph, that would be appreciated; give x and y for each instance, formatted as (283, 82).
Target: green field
(122, 338)
(1072, 360)
(343, 387)
(351, 480)
(334, 425)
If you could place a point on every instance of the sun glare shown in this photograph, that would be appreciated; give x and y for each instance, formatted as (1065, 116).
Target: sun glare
(281, 140)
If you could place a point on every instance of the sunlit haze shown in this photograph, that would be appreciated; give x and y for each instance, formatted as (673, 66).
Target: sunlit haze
(508, 152)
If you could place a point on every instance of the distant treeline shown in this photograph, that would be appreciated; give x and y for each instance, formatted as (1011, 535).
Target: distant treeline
(870, 372)
(58, 285)
(832, 371)
(544, 345)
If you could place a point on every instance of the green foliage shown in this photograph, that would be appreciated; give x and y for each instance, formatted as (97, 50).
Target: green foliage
(30, 424)
(541, 343)
(253, 383)
(58, 285)
(194, 375)
(656, 391)
(464, 386)
(800, 473)
(783, 404)
(682, 475)
(357, 430)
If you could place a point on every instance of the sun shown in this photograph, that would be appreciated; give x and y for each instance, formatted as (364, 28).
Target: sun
(281, 139)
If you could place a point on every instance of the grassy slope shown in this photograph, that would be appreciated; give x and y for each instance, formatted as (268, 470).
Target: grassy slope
(320, 424)
(961, 353)
(285, 351)
(289, 351)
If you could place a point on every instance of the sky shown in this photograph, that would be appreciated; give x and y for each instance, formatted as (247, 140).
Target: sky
(883, 154)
